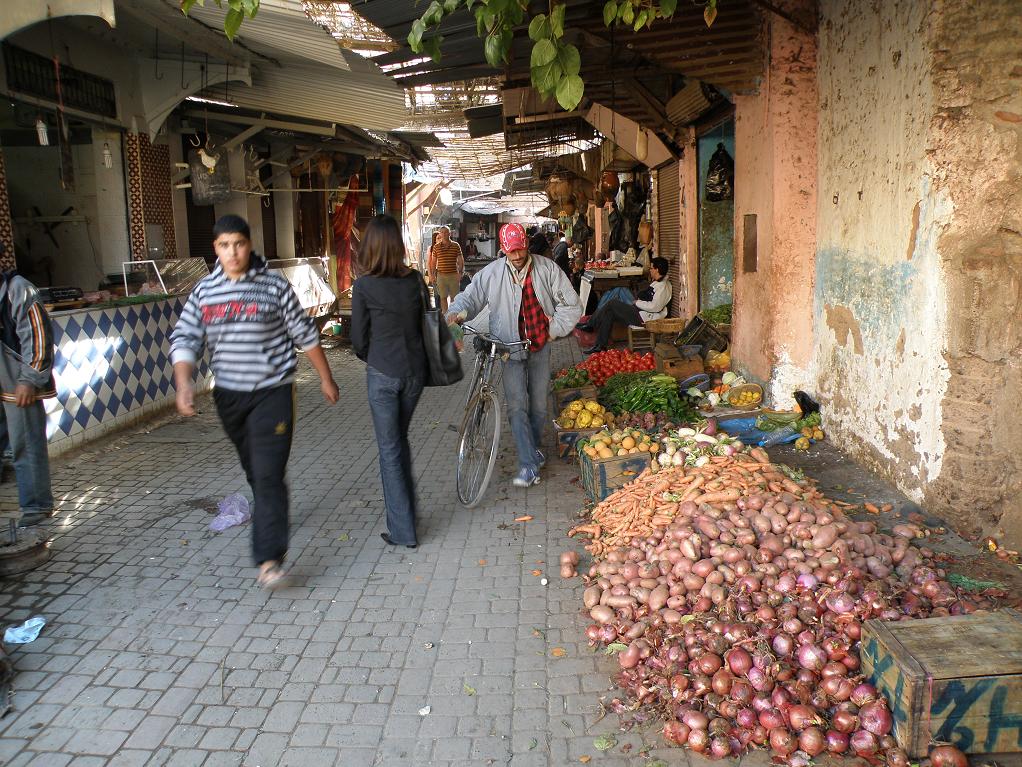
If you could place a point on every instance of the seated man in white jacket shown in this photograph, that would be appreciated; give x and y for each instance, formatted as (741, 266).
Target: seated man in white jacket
(637, 313)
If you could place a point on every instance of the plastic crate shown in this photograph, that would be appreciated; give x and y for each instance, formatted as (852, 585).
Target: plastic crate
(602, 476)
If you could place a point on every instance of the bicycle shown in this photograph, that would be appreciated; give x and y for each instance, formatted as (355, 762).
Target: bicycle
(480, 427)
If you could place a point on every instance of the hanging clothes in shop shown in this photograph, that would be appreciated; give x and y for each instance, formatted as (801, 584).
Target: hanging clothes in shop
(343, 220)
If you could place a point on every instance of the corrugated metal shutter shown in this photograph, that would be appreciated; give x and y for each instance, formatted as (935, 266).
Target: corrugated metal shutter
(669, 229)
(363, 97)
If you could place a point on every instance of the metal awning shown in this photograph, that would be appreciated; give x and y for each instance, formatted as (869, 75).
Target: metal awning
(363, 96)
(19, 14)
(281, 29)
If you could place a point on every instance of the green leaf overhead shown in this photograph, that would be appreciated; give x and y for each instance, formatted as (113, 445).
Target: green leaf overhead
(543, 53)
(493, 49)
(557, 19)
(569, 59)
(609, 13)
(537, 27)
(232, 23)
(569, 92)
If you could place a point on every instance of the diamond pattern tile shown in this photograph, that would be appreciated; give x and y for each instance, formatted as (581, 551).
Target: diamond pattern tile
(110, 362)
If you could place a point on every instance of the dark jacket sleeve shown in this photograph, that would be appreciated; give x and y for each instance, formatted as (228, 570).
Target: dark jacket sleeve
(34, 332)
(359, 323)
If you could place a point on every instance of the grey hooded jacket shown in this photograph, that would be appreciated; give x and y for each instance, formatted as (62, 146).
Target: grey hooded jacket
(27, 339)
(494, 286)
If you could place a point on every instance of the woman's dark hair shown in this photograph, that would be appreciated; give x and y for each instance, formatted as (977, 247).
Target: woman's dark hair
(382, 252)
(231, 224)
(661, 264)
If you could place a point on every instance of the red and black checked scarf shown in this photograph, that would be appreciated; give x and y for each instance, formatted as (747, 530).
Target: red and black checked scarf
(532, 320)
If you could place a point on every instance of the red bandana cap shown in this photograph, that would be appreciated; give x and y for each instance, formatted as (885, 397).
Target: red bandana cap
(512, 237)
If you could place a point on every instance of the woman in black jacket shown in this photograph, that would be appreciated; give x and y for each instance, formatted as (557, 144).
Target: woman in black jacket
(386, 333)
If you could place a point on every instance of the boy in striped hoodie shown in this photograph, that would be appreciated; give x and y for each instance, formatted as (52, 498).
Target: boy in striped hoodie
(251, 321)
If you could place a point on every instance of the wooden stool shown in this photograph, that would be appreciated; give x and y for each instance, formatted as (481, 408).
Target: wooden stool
(639, 338)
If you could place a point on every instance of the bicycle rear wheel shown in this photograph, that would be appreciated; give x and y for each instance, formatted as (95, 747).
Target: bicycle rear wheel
(477, 448)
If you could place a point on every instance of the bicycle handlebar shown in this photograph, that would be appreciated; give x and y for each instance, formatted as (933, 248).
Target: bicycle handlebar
(494, 340)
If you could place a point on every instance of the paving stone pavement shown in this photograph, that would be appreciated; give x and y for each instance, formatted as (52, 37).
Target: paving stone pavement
(160, 650)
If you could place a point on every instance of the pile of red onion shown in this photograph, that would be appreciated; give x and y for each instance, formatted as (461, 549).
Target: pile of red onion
(738, 625)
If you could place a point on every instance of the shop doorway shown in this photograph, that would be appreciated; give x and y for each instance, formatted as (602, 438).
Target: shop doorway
(715, 153)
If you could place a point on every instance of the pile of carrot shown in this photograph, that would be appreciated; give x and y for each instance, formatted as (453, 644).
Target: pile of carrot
(653, 498)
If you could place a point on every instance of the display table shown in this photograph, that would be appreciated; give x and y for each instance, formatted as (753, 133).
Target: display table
(112, 366)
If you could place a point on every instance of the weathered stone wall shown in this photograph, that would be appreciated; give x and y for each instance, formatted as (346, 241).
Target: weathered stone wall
(775, 179)
(976, 146)
(920, 249)
(879, 306)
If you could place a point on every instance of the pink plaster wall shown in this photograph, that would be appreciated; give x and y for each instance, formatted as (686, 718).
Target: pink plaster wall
(775, 178)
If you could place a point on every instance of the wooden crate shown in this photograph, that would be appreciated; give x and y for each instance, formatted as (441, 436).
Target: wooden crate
(956, 679)
(563, 397)
(565, 439)
(602, 476)
(678, 367)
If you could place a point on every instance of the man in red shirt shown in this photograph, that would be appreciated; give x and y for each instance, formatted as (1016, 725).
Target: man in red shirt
(528, 297)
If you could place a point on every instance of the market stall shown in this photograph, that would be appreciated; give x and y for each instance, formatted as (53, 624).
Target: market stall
(745, 609)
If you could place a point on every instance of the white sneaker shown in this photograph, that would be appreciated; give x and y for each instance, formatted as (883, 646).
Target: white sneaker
(526, 478)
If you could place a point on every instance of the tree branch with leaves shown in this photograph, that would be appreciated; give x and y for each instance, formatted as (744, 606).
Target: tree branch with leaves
(237, 12)
(554, 63)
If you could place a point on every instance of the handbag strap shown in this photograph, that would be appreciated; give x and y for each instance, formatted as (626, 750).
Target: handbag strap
(424, 292)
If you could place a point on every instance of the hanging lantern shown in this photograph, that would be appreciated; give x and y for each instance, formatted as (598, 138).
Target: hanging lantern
(609, 184)
(42, 132)
(641, 145)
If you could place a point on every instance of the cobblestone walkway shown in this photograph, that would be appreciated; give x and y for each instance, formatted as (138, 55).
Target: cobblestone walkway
(159, 650)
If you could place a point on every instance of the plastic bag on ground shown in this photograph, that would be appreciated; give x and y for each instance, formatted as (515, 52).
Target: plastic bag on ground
(233, 510)
(26, 632)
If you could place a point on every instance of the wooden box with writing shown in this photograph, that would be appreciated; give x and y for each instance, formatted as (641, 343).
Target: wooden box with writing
(602, 476)
(953, 679)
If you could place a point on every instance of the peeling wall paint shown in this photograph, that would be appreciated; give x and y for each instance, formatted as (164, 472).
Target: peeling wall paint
(880, 317)
(776, 179)
(976, 146)
(918, 302)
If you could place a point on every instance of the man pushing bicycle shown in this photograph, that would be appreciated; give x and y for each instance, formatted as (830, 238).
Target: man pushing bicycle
(530, 298)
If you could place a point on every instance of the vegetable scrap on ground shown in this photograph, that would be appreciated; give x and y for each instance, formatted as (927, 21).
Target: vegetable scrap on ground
(733, 592)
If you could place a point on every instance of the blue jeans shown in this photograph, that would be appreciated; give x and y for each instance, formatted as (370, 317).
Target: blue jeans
(616, 294)
(392, 402)
(25, 429)
(525, 391)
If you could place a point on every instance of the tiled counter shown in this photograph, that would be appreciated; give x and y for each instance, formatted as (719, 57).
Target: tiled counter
(112, 367)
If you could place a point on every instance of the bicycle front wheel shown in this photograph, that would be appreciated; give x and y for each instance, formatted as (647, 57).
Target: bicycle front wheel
(477, 448)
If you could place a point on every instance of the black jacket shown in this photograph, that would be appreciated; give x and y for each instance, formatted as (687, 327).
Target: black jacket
(386, 324)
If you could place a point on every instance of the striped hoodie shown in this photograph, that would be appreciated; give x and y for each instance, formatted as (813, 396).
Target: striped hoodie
(251, 326)
(27, 339)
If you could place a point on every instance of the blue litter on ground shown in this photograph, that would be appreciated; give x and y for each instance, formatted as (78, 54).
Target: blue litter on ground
(745, 430)
(26, 632)
(233, 510)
